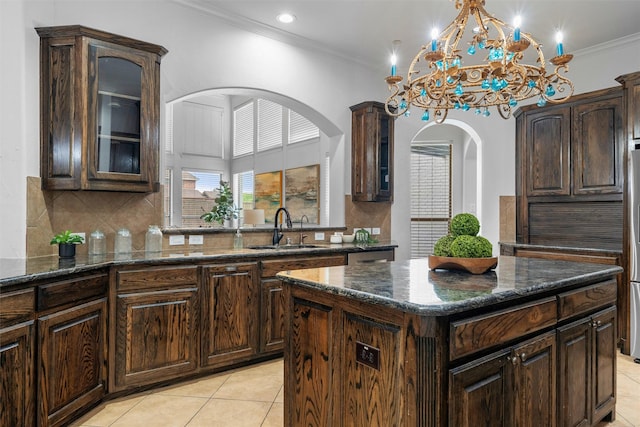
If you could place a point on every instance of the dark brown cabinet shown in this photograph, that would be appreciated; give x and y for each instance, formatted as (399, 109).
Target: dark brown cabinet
(17, 351)
(230, 313)
(71, 361)
(570, 165)
(372, 132)
(100, 110)
(156, 334)
(587, 355)
(519, 383)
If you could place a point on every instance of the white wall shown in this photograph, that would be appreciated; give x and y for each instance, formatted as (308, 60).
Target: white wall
(206, 53)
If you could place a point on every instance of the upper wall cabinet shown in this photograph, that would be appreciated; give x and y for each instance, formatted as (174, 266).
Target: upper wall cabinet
(371, 153)
(99, 111)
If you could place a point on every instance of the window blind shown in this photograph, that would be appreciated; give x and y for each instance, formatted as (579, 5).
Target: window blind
(243, 130)
(269, 125)
(301, 129)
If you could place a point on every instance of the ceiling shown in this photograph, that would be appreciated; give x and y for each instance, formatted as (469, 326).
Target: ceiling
(363, 30)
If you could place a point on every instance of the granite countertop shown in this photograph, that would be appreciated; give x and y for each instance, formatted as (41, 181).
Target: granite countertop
(17, 271)
(411, 287)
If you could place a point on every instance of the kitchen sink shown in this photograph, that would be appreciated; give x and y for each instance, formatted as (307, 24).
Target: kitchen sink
(274, 247)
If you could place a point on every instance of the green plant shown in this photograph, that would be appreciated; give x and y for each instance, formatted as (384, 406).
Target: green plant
(443, 245)
(66, 237)
(471, 247)
(224, 209)
(464, 224)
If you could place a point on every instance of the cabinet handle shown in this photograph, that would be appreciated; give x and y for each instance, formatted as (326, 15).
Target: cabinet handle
(523, 357)
(231, 268)
(513, 360)
(597, 323)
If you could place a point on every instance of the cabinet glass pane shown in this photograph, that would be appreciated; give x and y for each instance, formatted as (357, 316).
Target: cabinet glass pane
(384, 154)
(119, 93)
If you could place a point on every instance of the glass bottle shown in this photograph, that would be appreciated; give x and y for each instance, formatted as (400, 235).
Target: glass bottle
(123, 242)
(97, 243)
(237, 240)
(153, 239)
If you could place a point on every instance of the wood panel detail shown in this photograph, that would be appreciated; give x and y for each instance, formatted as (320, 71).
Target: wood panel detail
(17, 376)
(583, 300)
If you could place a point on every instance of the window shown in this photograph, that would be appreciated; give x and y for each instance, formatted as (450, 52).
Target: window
(269, 125)
(199, 190)
(430, 196)
(301, 129)
(243, 130)
(243, 188)
(168, 202)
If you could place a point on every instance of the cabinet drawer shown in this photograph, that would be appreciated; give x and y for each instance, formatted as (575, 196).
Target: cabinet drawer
(586, 299)
(485, 331)
(271, 268)
(18, 306)
(71, 291)
(156, 278)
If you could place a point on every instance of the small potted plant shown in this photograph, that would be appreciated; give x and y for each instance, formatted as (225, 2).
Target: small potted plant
(67, 243)
(224, 209)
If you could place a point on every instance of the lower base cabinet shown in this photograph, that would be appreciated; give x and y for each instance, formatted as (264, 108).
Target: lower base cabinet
(587, 363)
(156, 326)
(17, 376)
(230, 313)
(514, 387)
(71, 361)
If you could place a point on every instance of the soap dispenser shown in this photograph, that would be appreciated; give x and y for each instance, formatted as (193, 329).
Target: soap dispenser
(237, 240)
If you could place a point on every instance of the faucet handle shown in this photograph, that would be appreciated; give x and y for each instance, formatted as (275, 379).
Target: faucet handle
(302, 237)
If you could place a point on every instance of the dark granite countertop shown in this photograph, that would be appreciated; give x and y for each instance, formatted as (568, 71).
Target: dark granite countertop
(411, 287)
(18, 271)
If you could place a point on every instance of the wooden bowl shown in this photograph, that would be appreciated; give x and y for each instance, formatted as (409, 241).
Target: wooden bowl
(470, 265)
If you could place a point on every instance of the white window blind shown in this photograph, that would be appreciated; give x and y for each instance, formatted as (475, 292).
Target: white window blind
(430, 196)
(244, 182)
(301, 129)
(243, 130)
(269, 125)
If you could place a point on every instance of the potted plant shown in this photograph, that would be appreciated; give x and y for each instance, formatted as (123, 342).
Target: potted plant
(66, 243)
(224, 209)
(463, 248)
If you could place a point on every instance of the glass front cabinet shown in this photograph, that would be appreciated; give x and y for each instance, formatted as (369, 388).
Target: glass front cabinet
(99, 110)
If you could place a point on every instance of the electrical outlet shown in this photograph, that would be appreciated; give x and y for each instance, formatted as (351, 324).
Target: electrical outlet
(319, 236)
(196, 239)
(375, 231)
(176, 239)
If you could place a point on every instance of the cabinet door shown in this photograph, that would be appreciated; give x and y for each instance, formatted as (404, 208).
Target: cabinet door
(574, 374)
(598, 147)
(371, 153)
(156, 336)
(230, 307)
(535, 382)
(71, 361)
(17, 376)
(604, 363)
(121, 136)
(480, 392)
(272, 316)
(547, 153)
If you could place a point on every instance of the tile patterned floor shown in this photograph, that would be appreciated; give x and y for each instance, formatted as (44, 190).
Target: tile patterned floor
(253, 397)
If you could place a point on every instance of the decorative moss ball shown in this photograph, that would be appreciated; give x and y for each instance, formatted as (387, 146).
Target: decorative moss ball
(466, 246)
(443, 245)
(465, 224)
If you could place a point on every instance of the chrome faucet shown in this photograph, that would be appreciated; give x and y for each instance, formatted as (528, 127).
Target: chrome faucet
(302, 236)
(277, 234)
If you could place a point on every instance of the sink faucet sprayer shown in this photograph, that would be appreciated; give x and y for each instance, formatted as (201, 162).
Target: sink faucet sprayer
(277, 234)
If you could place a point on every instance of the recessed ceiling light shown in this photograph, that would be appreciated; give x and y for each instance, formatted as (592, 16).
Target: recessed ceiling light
(286, 18)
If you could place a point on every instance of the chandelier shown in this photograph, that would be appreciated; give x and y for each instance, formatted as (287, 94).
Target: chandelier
(437, 80)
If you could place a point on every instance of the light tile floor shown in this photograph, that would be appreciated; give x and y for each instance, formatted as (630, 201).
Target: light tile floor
(253, 397)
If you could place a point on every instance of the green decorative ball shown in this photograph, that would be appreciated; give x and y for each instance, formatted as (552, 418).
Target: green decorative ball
(466, 246)
(443, 246)
(465, 224)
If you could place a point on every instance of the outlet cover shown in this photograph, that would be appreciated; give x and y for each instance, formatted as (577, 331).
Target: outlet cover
(81, 235)
(176, 239)
(197, 239)
(319, 236)
(375, 231)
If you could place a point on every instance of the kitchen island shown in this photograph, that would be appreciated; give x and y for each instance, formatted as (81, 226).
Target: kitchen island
(532, 343)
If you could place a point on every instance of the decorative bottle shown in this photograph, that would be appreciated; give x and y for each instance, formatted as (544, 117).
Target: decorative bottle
(153, 239)
(122, 242)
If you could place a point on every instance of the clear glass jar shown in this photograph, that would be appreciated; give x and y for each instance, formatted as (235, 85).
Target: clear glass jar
(97, 243)
(153, 239)
(123, 242)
